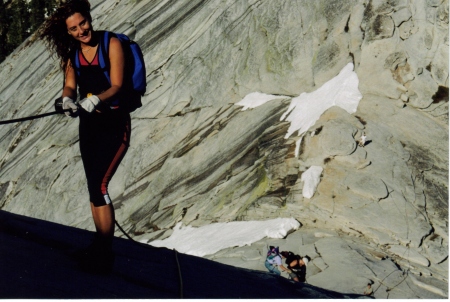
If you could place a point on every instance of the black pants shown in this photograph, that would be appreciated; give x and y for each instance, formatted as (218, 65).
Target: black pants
(104, 141)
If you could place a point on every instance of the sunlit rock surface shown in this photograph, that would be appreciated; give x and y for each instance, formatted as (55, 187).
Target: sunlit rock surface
(196, 157)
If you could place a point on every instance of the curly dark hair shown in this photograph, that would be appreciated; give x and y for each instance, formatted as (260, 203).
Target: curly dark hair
(54, 30)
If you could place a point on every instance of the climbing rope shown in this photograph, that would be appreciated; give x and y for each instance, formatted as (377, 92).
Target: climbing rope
(33, 117)
(58, 110)
(151, 247)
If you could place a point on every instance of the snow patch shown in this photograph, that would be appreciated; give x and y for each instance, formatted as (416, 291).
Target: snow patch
(311, 179)
(210, 239)
(306, 109)
(255, 99)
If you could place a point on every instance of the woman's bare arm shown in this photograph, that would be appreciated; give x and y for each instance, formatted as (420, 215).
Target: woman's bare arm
(284, 268)
(117, 63)
(70, 84)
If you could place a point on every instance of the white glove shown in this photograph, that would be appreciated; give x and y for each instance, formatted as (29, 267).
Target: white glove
(89, 103)
(69, 104)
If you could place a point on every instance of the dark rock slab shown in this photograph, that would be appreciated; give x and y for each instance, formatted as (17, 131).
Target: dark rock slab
(36, 262)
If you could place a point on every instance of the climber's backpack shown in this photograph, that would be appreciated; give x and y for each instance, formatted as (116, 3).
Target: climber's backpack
(134, 80)
(273, 249)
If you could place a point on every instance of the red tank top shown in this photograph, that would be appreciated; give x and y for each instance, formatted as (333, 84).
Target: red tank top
(84, 62)
(91, 79)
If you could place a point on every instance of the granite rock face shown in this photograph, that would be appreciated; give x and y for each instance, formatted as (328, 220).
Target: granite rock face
(196, 157)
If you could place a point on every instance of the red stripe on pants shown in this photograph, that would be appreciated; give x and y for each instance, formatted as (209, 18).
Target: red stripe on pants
(116, 161)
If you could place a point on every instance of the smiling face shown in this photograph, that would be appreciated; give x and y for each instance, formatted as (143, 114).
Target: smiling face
(79, 27)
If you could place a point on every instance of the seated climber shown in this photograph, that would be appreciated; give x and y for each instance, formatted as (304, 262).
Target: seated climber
(368, 291)
(296, 266)
(273, 260)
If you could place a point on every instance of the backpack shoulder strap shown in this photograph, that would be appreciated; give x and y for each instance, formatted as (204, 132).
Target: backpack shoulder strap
(75, 60)
(103, 52)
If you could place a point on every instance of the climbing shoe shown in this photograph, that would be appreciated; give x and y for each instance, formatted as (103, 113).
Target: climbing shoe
(98, 257)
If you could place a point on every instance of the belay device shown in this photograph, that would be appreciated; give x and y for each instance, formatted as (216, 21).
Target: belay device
(59, 105)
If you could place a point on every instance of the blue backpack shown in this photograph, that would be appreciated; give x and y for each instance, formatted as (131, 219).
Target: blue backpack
(273, 249)
(134, 75)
